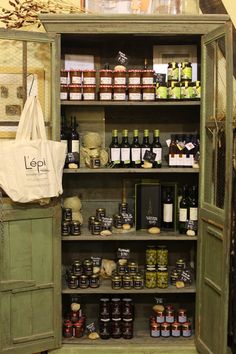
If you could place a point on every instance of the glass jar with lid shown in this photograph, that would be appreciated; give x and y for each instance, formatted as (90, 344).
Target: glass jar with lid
(106, 77)
(148, 92)
(64, 79)
(186, 71)
(151, 255)
(105, 92)
(64, 92)
(173, 71)
(134, 92)
(162, 277)
(119, 92)
(148, 77)
(161, 91)
(89, 77)
(75, 77)
(89, 92)
(162, 255)
(134, 77)
(75, 92)
(150, 277)
(119, 77)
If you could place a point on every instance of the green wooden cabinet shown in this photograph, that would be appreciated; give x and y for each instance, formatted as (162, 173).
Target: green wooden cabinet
(31, 252)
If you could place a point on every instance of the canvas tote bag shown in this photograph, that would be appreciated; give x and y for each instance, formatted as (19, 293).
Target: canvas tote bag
(31, 166)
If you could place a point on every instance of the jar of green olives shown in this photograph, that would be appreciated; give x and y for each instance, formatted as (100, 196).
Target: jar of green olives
(151, 255)
(162, 277)
(162, 256)
(150, 277)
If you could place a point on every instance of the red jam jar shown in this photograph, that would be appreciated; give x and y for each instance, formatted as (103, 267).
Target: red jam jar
(105, 92)
(134, 77)
(106, 77)
(64, 77)
(135, 92)
(147, 77)
(89, 77)
(119, 77)
(89, 92)
(119, 93)
(64, 92)
(76, 77)
(75, 92)
(148, 92)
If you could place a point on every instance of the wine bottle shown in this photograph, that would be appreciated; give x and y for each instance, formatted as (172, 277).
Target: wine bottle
(74, 143)
(63, 135)
(183, 211)
(193, 204)
(115, 150)
(173, 152)
(168, 211)
(125, 149)
(157, 149)
(145, 144)
(135, 150)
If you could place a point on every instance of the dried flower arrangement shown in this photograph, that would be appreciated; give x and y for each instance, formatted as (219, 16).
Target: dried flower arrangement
(25, 12)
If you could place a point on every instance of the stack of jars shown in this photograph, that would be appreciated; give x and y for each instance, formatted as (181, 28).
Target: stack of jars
(116, 317)
(156, 272)
(167, 322)
(74, 325)
(127, 276)
(83, 274)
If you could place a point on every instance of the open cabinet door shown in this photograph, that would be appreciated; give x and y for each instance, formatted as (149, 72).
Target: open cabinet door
(30, 281)
(215, 192)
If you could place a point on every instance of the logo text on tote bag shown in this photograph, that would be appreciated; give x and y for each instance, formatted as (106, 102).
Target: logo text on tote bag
(34, 164)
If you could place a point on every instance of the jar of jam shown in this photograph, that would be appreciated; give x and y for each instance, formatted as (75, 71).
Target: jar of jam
(96, 227)
(100, 213)
(161, 91)
(162, 255)
(155, 331)
(64, 77)
(77, 268)
(94, 281)
(175, 329)
(150, 277)
(67, 329)
(104, 308)
(138, 281)
(121, 266)
(162, 277)
(123, 208)
(132, 267)
(148, 77)
(117, 221)
(72, 281)
(83, 282)
(160, 316)
(186, 329)
(89, 92)
(75, 92)
(89, 77)
(116, 281)
(115, 308)
(182, 316)
(165, 329)
(127, 282)
(134, 77)
(66, 214)
(91, 221)
(64, 92)
(116, 329)
(134, 93)
(127, 309)
(169, 315)
(186, 71)
(106, 77)
(105, 92)
(151, 255)
(105, 329)
(119, 92)
(197, 89)
(75, 228)
(76, 77)
(95, 161)
(173, 71)
(88, 267)
(78, 330)
(74, 316)
(174, 90)
(148, 92)
(119, 77)
(65, 228)
(127, 329)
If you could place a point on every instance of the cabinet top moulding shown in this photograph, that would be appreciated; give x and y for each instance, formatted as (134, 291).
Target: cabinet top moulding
(127, 24)
(131, 103)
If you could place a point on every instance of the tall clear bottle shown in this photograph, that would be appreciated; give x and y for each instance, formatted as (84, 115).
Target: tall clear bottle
(145, 144)
(125, 149)
(114, 148)
(157, 149)
(135, 150)
(74, 142)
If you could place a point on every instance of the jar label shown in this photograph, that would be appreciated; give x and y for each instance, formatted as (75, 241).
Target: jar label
(155, 333)
(165, 333)
(186, 332)
(75, 96)
(115, 154)
(186, 73)
(175, 93)
(76, 80)
(161, 92)
(193, 214)
(63, 95)
(105, 80)
(119, 80)
(168, 213)
(147, 80)
(182, 319)
(89, 96)
(105, 96)
(119, 96)
(134, 80)
(63, 80)
(125, 155)
(148, 96)
(182, 214)
(89, 80)
(133, 96)
(136, 154)
(158, 152)
(175, 333)
(170, 319)
(160, 319)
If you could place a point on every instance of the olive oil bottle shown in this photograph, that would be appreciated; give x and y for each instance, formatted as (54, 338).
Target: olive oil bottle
(145, 144)
(125, 149)
(157, 149)
(115, 150)
(135, 150)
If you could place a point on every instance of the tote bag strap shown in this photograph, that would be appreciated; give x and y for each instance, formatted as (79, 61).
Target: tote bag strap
(39, 120)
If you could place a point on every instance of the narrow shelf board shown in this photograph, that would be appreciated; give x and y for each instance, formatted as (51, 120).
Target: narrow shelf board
(140, 338)
(105, 288)
(133, 170)
(132, 103)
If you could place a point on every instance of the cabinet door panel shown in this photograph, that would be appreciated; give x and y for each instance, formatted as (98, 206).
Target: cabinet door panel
(215, 192)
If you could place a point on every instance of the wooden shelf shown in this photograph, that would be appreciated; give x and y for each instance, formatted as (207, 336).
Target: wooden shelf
(105, 288)
(140, 235)
(133, 170)
(133, 103)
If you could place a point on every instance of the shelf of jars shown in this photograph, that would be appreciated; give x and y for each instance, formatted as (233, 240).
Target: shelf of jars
(134, 235)
(105, 288)
(132, 103)
(132, 170)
